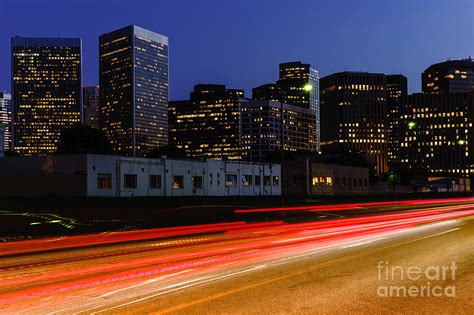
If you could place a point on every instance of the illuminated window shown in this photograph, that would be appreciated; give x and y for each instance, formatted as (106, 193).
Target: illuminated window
(276, 181)
(231, 180)
(246, 180)
(329, 181)
(104, 181)
(315, 180)
(129, 181)
(155, 181)
(178, 182)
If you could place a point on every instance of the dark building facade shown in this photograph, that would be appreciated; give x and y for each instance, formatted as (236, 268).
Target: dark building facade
(267, 126)
(133, 66)
(90, 106)
(397, 90)
(354, 107)
(303, 176)
(47, 91)
(6, 120)
(437, 134)
(208, 124)
(266, 92)
(298, 85)
(453, 76)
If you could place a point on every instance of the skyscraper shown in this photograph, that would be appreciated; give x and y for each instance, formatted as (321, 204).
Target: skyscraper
(47, 91)
(6, 120)
(90, 106)
(298, 85)
(208, 125)
(397, 89)
(134, 89)
(354, 107)
(268, 126)
(437, 134)
(453, 76)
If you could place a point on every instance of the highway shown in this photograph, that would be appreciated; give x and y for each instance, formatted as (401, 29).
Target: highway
(337, 263)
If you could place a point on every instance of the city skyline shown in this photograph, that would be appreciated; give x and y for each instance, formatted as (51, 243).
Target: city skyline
(201, 55)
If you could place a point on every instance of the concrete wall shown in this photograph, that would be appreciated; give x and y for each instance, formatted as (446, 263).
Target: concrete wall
(114, 170)
(212, 174)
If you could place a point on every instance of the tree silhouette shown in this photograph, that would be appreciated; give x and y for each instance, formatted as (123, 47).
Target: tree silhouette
(83, 139)
(168, 150)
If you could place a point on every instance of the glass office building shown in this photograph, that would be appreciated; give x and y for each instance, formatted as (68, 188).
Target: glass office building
(208, 124)
(269, 126)
(397, 91)
(6, 119)
(354, 107)
(47, 91)
(90, 103)
(133, 69)
(452, 76)
(298, 85)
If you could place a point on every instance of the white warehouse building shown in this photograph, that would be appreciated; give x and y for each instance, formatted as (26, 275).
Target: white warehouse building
(116, 176)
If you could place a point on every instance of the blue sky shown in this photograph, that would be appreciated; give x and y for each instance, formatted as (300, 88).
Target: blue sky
(241, 42)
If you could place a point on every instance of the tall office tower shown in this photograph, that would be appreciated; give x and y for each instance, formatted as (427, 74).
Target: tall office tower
(267, 126)
(133, 79)
(397, 89)
(437, 133)
(354, 108)
(299, 85)
(452, 76)
(6, 120)
(47, 91)
(90, 106)
(208, 125)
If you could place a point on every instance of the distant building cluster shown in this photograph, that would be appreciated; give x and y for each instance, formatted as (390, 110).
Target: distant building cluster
(357, 112)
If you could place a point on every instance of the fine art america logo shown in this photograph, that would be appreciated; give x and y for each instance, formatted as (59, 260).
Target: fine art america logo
(430, 281)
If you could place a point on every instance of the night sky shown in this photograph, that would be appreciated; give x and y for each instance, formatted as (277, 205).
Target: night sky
(240, 43)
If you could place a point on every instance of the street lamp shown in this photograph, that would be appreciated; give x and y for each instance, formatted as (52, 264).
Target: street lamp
(462, 142)
(308, 87)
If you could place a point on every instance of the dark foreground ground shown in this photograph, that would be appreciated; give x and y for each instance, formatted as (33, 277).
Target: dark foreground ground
(55, 216)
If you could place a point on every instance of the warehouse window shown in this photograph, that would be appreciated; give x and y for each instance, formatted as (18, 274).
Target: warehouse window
(231, 180)
(197, 182)
(276, 181)
(257, 180)
(104, 181)
(178, 182)
(266, 180)
(130, 181)
(246, 180)
(155, 181)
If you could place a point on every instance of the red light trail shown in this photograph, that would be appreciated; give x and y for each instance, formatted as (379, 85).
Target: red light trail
(190, 251)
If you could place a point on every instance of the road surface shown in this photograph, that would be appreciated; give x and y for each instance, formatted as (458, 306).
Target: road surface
(337, 264)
